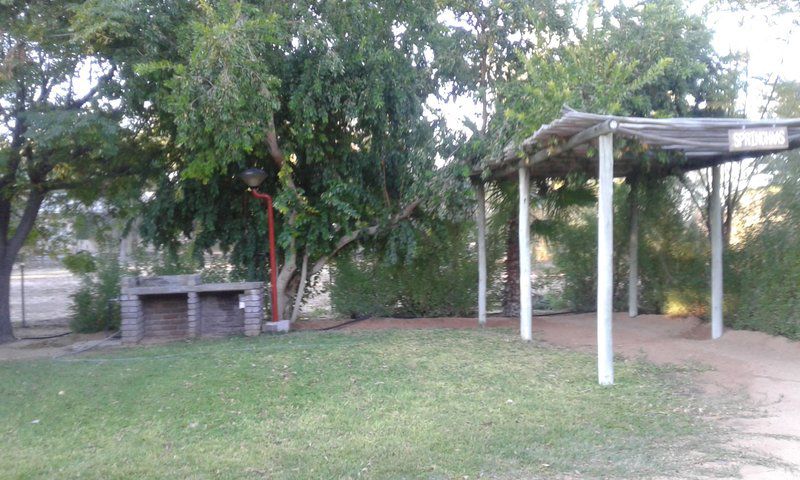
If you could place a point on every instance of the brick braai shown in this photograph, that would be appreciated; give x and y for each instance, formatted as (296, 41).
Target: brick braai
(180, 306)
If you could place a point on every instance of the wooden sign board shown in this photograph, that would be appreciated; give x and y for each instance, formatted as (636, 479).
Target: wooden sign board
(754, 139)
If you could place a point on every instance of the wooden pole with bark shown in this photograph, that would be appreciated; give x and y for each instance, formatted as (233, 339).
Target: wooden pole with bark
(633, 248)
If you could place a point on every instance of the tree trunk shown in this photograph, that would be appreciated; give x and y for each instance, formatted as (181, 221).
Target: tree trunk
(286, 275)
(301, 288)
(6, 331)
(511, 284)
(727, 222)
(8, 253)
(285, 297)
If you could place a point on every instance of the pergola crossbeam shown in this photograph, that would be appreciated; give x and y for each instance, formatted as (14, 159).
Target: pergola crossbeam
(511, 160)
(578, 139)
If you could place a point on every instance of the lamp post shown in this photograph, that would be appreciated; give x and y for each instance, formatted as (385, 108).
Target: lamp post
(253, 177)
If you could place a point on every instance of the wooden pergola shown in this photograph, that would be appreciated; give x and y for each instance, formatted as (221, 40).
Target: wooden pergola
(584, 142)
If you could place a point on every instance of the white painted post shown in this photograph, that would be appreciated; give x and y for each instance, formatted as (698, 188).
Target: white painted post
(605, 256)
(716, 255)
(525, 310)
(480, 214)
(633, 251)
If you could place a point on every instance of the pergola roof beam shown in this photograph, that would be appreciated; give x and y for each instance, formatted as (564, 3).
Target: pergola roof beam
(590, 133)
(679, 121)
(558, 148)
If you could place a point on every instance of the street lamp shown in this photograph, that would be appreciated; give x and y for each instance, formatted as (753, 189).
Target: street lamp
(254, 177)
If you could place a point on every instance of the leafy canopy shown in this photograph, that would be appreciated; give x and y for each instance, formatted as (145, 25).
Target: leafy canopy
(328, 97)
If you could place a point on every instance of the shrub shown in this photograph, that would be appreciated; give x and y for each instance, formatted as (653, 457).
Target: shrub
(183, 259)
(175, 260)
(763, 280)
(439, 280)
(361, 287)
(764, 271)
(672, 254)
(95, 305)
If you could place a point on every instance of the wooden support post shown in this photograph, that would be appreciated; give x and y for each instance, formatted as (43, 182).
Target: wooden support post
(525, 310)
(716, 255)
(633, 250)
(480, 219)
(605, 264)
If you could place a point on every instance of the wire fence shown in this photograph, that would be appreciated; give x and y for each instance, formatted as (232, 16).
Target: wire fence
(46, 287)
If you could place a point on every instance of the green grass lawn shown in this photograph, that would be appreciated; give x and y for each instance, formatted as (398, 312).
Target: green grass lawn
(389, 404)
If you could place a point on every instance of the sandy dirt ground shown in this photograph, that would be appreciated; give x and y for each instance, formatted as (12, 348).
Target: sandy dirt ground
(27, 348)
(764, 367)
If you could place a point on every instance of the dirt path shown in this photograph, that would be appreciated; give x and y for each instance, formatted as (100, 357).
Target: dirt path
(767, 368)
(30, 349)
(764, 367)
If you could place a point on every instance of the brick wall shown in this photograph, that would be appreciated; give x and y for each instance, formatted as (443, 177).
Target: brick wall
(220, 314)
(165, 316)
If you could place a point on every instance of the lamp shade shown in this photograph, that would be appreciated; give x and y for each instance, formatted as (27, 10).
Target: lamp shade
(253, 177)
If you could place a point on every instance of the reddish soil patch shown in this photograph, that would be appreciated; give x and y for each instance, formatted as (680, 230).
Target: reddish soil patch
(380, 323)
(764, 367)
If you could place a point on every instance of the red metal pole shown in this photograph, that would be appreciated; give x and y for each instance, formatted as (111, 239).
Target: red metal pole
(273, 265)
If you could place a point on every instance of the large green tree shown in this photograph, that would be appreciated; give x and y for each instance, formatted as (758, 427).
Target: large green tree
(492, 35)
(650, 59)
(328, 97)
(59, 128)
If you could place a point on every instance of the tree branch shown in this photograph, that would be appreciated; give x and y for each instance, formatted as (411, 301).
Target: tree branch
(96, 177)
(101, 82)
(44, 80)
(695, 201)
(9, 176)
(354, 235)
(272, 143)
(32, 205)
